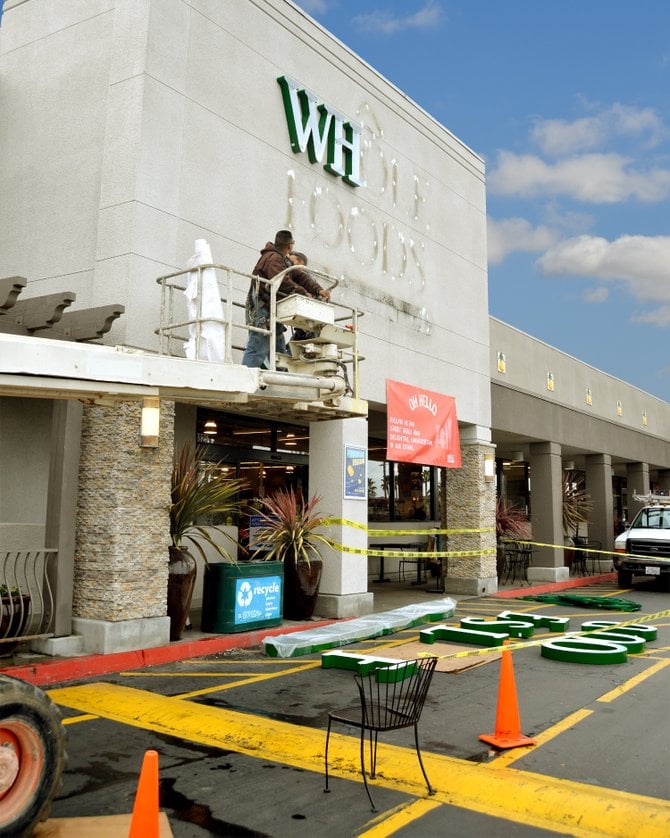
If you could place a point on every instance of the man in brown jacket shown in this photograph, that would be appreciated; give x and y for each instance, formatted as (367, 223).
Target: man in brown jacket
(274, 259)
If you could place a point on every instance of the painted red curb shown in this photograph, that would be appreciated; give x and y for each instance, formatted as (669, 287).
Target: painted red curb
(552, 587)
(46, 673)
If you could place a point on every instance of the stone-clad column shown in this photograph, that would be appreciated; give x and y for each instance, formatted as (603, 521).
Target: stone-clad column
(470, 504)
(123, 530)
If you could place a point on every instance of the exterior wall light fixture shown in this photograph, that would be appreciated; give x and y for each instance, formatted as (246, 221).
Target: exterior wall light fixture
(489, 468)
(150, 422)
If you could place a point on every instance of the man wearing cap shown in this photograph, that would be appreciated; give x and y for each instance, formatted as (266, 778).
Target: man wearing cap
(274, 259)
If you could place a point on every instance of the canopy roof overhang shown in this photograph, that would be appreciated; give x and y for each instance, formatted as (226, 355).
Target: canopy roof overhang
(42, 368)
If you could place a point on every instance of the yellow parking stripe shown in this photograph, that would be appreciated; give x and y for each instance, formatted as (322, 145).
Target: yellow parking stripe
(73, 720)
(389, 822)
(508, 757)
(243, 678)
(521, 796)
(634, 681)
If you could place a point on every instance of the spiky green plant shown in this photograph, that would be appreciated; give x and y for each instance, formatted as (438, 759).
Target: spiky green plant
(289, 528)
(576, 502)
(200, 488)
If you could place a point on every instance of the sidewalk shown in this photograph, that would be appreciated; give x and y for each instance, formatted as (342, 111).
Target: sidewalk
(42, 670)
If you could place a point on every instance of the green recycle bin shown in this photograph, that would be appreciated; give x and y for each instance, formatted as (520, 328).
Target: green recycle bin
(242, 596)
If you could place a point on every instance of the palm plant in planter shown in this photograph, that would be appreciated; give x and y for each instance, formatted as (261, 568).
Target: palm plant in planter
(288, 533)
(576, 503)
(576, 509)
(199, 488)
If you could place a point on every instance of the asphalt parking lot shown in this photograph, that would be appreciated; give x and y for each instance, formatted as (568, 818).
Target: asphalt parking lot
(241, 738)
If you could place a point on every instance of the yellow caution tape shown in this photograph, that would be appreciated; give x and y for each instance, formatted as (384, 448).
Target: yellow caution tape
(404, 554)
(375, 550)
(377, 533)
(571, 547)
(424, 531)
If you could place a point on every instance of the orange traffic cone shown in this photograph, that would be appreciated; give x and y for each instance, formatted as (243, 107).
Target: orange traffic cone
(508, 727)
(144, 822)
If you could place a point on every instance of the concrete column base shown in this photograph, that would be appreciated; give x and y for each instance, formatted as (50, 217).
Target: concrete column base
(548, 574)
(344, 605)
(473, 585)
(104, 637)
(69, 646)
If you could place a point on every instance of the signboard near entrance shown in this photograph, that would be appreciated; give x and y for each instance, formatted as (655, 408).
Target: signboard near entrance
(355, 472)
(422, 426)
(258, 599)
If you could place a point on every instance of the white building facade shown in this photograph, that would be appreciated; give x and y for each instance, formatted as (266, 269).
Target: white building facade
(136, 128)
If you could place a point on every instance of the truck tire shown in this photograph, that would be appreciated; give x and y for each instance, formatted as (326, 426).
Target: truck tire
(624, 578)
(32, 756)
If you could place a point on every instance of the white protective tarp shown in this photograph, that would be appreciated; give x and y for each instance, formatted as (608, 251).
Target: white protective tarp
(212, 333)
(344, 632)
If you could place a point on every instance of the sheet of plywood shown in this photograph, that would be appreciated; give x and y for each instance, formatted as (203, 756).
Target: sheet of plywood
(409, 651)
(109, 826)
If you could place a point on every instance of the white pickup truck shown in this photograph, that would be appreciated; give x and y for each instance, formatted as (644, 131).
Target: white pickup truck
(644, 548)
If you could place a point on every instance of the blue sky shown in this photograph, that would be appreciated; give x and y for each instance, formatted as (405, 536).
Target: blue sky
(568, 102)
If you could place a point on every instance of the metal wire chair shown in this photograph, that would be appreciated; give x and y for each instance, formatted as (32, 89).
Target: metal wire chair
(391, 697)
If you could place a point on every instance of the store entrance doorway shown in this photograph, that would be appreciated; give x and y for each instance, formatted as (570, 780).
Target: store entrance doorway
(267, 456)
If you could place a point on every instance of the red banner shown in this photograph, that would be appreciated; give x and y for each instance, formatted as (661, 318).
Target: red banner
(421, 426)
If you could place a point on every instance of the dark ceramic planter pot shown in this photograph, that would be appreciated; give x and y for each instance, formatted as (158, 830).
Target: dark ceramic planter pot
(500, 561)
(302, 580)
(181, 580)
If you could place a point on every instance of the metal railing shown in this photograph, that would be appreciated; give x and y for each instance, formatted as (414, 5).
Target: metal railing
(26, 599)
(175, 322)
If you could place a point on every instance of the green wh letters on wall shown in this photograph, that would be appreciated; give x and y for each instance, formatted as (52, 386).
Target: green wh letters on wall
(319, 129)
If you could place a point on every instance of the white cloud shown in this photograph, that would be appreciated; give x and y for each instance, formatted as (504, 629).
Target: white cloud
(560, 137)
(386, 23)
(569, 221)
(658, 317)
(641, 262)
(596, 295)
(557, 136)
(638, 122)
(516, 234)
(592, 178)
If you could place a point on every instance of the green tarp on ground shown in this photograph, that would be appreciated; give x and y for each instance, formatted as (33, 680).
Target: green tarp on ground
(608, 603)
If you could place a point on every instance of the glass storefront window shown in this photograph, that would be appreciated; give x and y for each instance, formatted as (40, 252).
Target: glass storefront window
(514, 483)
(268, 455)
(265, 455)
(399, 491)
(246, 433)
(413, 492)
(379, 497)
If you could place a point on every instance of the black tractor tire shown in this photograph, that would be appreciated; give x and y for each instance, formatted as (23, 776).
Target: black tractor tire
(624, 578)
(32, 756)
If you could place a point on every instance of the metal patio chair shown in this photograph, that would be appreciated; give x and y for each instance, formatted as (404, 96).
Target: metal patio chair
(391, 697)
(579, 558)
